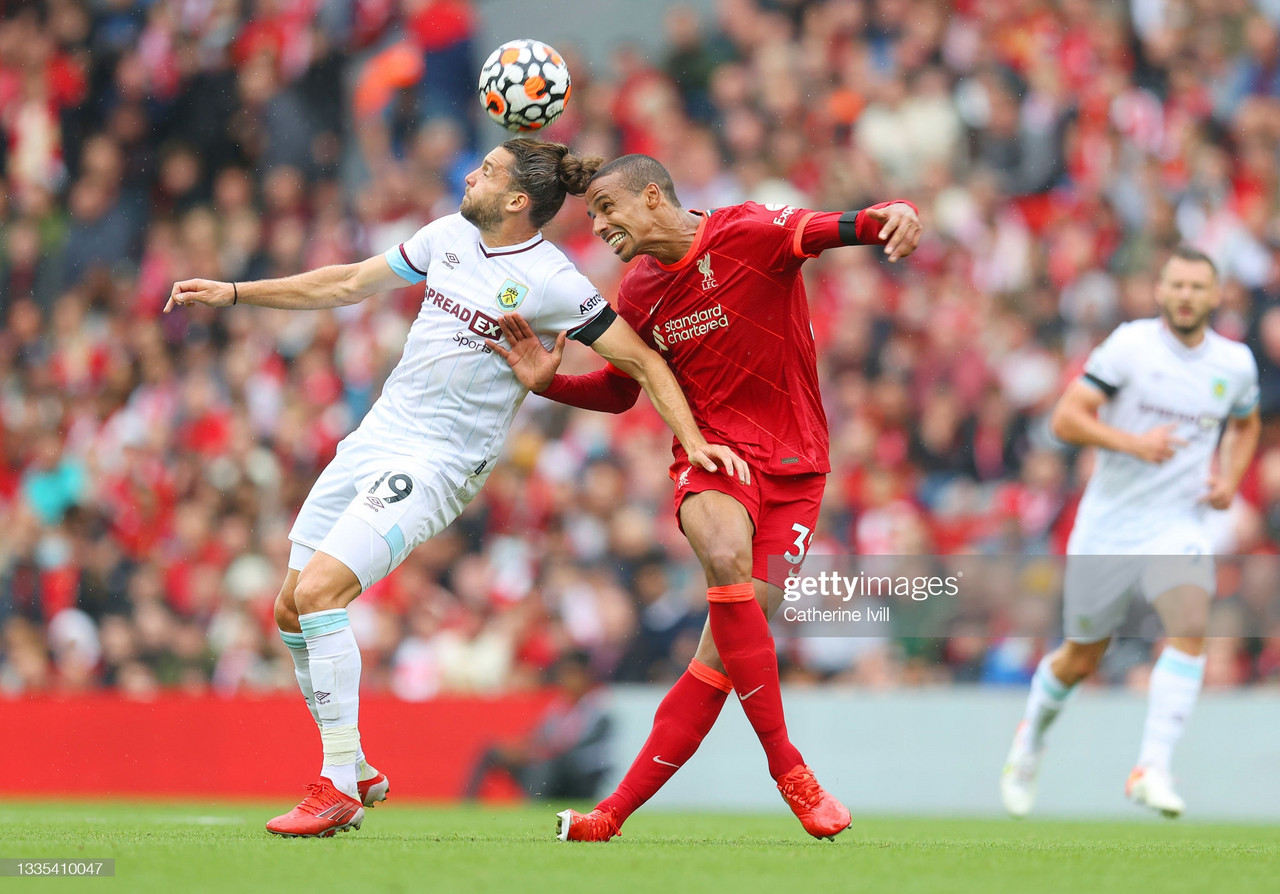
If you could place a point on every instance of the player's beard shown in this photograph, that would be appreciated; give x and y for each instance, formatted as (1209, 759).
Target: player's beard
(487, 216)
(1185, 329)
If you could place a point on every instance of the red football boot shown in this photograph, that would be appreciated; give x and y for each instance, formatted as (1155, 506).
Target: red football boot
(598, 825)
(373, 789)
(818, 811)
(324, 811)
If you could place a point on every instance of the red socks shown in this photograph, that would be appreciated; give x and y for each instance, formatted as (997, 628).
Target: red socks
(745, 644)
(684, 718)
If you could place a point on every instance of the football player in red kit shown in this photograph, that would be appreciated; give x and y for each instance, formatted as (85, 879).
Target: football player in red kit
(720, 296)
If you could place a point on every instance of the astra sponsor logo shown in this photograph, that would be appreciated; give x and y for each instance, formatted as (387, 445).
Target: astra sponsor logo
(695, 325)
(594, 301)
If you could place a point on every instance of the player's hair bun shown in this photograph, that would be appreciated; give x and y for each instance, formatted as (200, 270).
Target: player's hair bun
(576, 172)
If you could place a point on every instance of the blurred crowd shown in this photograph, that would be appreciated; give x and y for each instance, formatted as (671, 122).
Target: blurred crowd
(152, 464)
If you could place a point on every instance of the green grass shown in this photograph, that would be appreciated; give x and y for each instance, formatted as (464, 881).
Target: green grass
(196, 847)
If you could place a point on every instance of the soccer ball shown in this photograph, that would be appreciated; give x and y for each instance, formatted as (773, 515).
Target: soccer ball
(524, 85)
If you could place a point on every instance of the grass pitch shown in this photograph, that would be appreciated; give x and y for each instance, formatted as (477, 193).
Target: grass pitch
(196, 847)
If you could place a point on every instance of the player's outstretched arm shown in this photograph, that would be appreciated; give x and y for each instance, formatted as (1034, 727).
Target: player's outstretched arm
(894, 224)
(606, 390)
(324, 287)
(620, 345)
(1239, 441)
(1075, 420)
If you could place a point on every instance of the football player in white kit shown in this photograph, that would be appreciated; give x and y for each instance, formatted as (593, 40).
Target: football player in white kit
(1153, 400)
(428, 443)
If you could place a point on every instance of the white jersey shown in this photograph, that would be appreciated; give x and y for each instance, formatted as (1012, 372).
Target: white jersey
(449, 387)
(1153, 379)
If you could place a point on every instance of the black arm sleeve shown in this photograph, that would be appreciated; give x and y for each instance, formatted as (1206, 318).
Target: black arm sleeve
(587, 333)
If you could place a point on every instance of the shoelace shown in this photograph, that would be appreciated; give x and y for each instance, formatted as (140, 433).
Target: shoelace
(319, 796)
(806, 791)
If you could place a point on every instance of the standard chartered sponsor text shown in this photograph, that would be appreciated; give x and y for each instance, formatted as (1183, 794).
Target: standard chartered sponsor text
(695, 324)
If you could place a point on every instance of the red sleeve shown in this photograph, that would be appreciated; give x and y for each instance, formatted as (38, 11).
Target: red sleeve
(607, 390)
(821, 230)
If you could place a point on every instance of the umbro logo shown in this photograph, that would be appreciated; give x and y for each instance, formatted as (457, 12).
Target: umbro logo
(322, 698)
(374, 503)
(450, 259)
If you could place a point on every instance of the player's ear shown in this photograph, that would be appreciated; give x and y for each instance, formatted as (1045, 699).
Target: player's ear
(517, 202)
(652, 196)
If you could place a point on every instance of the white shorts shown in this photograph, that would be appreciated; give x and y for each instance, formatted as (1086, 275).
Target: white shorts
(1100, 577)
(370, 507)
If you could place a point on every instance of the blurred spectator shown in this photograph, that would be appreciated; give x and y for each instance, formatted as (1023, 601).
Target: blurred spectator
(565, 755)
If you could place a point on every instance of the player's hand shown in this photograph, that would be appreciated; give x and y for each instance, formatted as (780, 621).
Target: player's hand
(200, 291)
(899, 229)
(713, 457)
(1158, 444)
(1220, 493)
(532, 363)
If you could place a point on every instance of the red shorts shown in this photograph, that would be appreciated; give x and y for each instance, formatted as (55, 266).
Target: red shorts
(783, 510)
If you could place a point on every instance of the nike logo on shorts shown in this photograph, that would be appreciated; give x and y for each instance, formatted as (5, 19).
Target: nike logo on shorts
(743, 698)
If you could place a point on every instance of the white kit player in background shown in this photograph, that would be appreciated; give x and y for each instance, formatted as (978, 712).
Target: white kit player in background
(1153, 399)
(429, 442)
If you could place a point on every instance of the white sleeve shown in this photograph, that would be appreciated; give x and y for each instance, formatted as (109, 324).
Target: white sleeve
(411, 258)
(1110, 366)
(1247, 393)
(570, 302)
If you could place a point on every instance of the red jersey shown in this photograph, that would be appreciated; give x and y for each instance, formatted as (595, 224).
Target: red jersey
(731, 319)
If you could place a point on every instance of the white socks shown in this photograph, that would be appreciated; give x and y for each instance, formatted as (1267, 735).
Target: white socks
(334, 660)
(1175, 685)
(297, 644)
(1047, 697)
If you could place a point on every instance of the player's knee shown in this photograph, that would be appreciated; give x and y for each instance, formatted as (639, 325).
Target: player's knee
(1188, 645)
(285, 611)
(312, 595)
(1077, 663)
(707, 656)
(726, 565)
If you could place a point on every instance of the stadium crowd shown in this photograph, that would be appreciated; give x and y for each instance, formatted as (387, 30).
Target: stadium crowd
(151, 464)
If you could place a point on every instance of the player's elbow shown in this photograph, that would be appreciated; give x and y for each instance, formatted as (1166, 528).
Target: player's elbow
(353, 286)
(1063, 424)
(641, 368)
